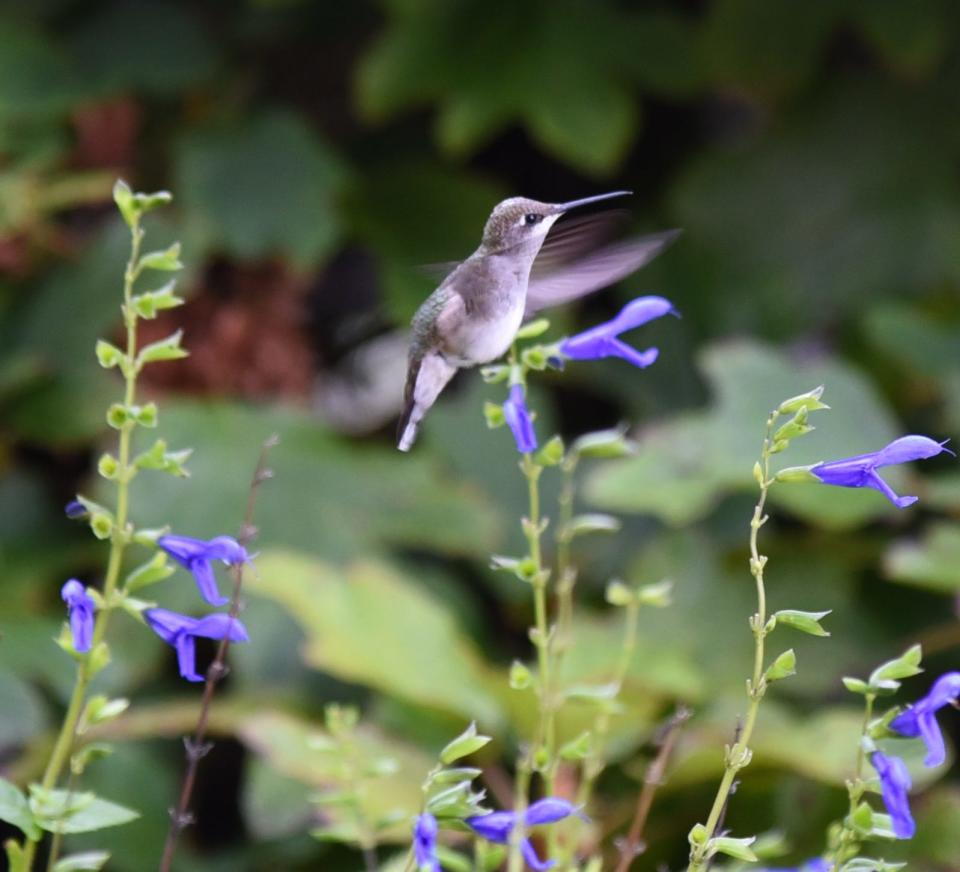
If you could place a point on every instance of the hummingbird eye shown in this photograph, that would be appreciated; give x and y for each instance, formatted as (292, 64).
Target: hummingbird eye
(532, 218)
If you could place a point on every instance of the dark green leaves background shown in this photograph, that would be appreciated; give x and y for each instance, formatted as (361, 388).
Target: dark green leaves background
(318, 152)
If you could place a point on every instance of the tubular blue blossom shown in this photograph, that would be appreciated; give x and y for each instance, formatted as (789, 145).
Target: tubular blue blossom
(921, 718)
(894, 784)
(425, 843)
(197, 555)
(602, 340)
(498, 825)
(861, 471)
(518, 420)
(181, 631)
(75, 509)
(80, 606)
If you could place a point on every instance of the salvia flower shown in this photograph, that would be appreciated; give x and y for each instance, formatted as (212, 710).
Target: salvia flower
(603, 340)
(921, 718)
(75, 509)
(425, 843)
(80, 606)
(894, 785)
(498, 825)
(182, 631)
(197, 555)
(518, 420)
(861, 471)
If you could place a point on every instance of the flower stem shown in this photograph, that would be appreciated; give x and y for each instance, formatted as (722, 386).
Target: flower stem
(739, 754)
(541, 752)
(845, 842)
(118, 543)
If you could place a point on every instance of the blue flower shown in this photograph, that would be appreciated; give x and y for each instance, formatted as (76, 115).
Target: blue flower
(181, 631)
(861, 471)
(518, 420)
(80, 606)
(894, 784)
(196, 555)
(498, 825)
(921, 718)
(75, 509)
(601, 341)
(425, 843)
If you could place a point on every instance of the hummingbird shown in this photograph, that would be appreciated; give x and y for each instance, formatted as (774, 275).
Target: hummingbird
(473, 316)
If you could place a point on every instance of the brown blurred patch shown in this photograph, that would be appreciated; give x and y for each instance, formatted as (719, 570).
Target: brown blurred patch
(245, 329)
(106, 133)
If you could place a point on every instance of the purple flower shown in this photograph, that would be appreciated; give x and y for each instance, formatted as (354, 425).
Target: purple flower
(196, 555)
(518, 420)
(601, 341)
(425, 843)
(498, 825)
(181, 631)
(921, 718)
(75, 509)
(861, 471)
(894, 784)
(80, 607)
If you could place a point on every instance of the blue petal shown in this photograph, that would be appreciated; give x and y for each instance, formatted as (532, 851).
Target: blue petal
(549, 810)
(494, 827)
(908, 448)
(219, 625)
(531, 858)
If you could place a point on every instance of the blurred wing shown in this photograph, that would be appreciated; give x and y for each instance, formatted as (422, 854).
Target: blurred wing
(559, 281)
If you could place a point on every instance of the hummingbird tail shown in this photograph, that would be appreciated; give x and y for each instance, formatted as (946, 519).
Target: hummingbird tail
(426, 378)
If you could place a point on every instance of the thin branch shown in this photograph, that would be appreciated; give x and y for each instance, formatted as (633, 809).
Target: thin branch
(632, 846)
(197, 747)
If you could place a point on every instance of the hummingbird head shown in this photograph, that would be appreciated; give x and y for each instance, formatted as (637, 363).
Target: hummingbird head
(521, 222)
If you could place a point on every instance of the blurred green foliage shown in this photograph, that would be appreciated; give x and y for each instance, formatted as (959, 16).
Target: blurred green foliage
(318, 152)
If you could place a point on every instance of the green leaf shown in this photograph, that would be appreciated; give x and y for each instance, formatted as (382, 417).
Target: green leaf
(738, 848)
(856, 685)
(783, 667)
(933, 562)
(580, 110)
(163, 349)
(581, 525)
(341, 609)
(153, 570)
(751, 45)
(147, 304)
(806, 622)
(533, 329)
(123, 197)
(88, 861)
(284, 175)
(67, 811)
(578, 748)
(15, 810)
(166, 260)
(685, 465)
(155, 49)
(446, 776)
(463, 745)
(904, 666)
(612, 443)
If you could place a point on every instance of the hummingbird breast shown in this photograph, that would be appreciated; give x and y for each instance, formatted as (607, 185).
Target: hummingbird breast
(494, 298)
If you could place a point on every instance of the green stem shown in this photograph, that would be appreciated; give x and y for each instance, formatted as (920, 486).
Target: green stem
(846, 845)
(739, 754)
(118, 543)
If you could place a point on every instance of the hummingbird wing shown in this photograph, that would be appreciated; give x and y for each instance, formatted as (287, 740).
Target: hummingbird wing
(563, 271)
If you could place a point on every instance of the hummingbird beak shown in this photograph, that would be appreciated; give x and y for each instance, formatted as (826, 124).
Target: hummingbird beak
(560, 208)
